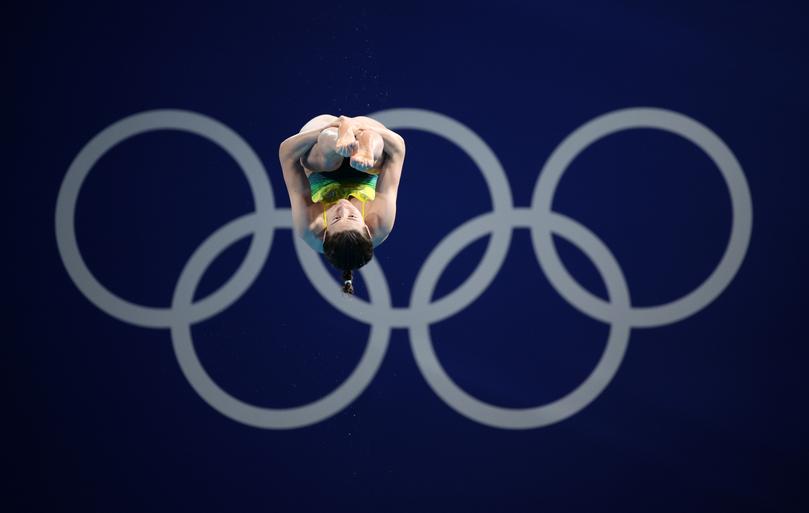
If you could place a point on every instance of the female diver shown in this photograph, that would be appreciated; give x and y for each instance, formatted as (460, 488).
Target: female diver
(342, 175)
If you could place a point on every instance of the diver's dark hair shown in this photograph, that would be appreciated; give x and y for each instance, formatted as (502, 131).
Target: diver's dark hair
(348, 250)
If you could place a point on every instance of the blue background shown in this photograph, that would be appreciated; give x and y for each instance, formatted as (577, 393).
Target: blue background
(706, 414)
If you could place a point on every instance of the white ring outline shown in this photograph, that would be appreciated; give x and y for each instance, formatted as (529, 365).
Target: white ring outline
(382, 312)
(574, 401)
(169, 119)
(230, 406)
(731, 171)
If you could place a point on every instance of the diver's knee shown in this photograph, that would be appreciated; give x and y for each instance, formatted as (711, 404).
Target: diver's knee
(318, 121)
(327, 135)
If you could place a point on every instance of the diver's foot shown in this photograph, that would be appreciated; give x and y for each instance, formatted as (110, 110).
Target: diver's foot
(362, 160)
(346, 148)
(346, 143)
(368, 156)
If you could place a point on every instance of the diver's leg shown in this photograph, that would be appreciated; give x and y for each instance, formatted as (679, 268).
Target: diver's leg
(322, 156)
(369, 154)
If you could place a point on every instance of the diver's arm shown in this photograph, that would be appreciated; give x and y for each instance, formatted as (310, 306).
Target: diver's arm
(387, 191)
(300, 196)
(290, 152)
(394, 143)
(391, 172)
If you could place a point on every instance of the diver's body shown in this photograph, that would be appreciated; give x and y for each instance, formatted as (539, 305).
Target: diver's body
(327, 144)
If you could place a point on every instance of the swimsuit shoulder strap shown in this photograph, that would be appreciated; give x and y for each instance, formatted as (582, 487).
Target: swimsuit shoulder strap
(325, 224)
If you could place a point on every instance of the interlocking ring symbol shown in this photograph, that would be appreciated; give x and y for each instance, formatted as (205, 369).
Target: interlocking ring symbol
(379, 313)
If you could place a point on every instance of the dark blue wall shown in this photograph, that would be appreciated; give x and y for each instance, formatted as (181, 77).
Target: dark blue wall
(705, 413)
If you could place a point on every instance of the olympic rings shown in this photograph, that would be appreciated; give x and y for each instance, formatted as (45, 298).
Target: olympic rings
(421, 313)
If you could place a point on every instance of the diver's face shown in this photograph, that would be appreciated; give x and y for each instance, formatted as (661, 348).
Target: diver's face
(342, 216)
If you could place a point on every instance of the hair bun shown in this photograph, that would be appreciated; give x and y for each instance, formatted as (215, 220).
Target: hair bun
(348, 286)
